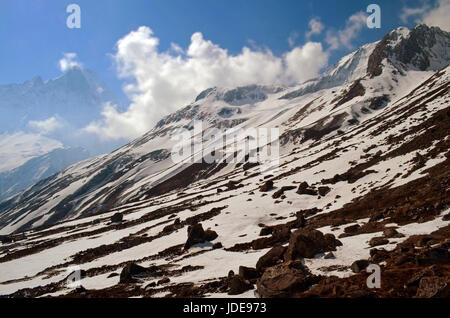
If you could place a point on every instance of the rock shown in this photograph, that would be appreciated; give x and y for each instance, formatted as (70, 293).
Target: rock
(329, 255)
(117, 218)
(279, 193)
(163, 281)
(307, 243)
(217, 246)
(248, 273)
(197, 235)
(249, 165)
(177, 221)
(437, 255)
(238, 285)
(359, 266)
(434, 287)
(323, 191)
(427, 272)
(129, 271)
(377, 241)
(446, 217)
(5, 239)
(423, 242)
(267, 186)
(392, 233)
(283, 280)
(272, 257)
(304, 188)
(378, 255)
(280, 235)
(266, 231)
(210, 235)
(352, 229)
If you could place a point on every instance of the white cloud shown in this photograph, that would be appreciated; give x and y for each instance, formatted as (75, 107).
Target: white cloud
(162, 82)
(46, 126)
(68, 62)
(432, 15)
(343, 38)
(315, 27)
(439, 16)
(407, 13)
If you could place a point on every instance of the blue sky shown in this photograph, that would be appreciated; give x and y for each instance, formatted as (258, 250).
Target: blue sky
(34, 37)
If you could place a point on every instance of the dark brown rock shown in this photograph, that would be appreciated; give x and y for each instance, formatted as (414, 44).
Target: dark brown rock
(283, 280)
(377, 241)
(129, 271)
(272, 257)
(117, 218)
(248, 273)
(304, 188)
(434, 287)
(352, 229)
(392, 233)
(359, 266)
(307, 243)
(238, 285)
(323, 191)
(267, 186)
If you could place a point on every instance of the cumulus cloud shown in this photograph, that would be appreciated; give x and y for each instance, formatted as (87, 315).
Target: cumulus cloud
(68, 62)
(343, 38)
(46, 126)
(315, 27)
(432, 15)
(163, 81)
(439, 15)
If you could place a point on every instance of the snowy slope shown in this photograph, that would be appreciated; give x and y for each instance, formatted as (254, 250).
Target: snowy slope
(376, 145)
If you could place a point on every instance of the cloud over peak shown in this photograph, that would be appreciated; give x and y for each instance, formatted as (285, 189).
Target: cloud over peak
(68, 62)
(160, 82)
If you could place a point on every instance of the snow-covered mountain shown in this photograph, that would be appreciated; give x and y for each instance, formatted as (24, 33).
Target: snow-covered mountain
(363, 158)
(75, 97)
(38, 168)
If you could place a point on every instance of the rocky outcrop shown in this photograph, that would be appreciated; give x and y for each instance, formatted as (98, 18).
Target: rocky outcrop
(308, 243)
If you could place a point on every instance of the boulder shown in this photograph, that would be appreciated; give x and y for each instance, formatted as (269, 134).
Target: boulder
(117, 218)
(352, 229)
(272, 257)
(307, 243)
(5, 239)
(359, 266)
(266, 231)
(129, 271)
(304, 188)
(283, 280)
(392, 233)
(238, 285)
(248, 273)
(434, 287)
(377, 241)
(323, 191)
(266, 187)
(197, 235)
(210, 235)
(279, 193)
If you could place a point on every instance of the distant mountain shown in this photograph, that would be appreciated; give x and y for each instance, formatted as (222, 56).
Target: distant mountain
(76, 97)
(18, 148)
(38, 168)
